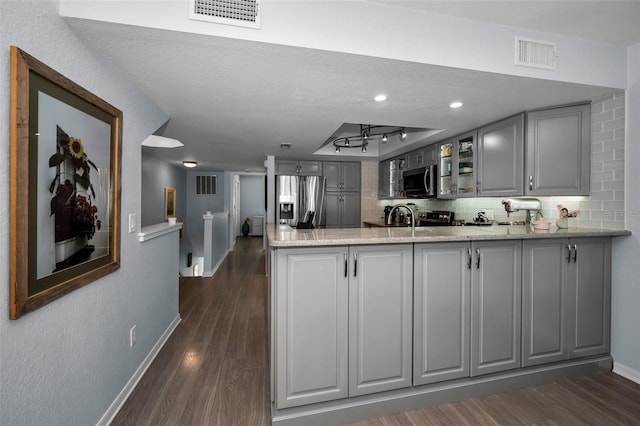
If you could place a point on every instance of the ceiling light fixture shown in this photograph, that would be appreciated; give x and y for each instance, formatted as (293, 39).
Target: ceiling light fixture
(456, 104)
(189, 164)
(155, 141)
(380, 98)
(367, 134)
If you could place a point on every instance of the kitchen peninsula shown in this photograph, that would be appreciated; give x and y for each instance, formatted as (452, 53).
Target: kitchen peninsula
(371, 321)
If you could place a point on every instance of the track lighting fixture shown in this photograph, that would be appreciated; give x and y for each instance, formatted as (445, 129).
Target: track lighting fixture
(367, 134)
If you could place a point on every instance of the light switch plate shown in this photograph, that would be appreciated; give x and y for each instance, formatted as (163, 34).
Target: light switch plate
(132, 223)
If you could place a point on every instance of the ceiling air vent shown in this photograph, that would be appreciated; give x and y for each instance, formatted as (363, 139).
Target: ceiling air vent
(535, 53)
(206, 185)
(244, 13)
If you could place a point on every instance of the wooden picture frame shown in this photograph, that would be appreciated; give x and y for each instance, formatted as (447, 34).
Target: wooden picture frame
(169, 202)
(65, 153)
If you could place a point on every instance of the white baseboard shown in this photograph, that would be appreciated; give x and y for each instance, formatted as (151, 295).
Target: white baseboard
(626, 372)
(215, 268)
(117, 404)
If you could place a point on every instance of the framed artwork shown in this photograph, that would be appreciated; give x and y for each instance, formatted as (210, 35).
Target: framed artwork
(169, 202)
(65, 152)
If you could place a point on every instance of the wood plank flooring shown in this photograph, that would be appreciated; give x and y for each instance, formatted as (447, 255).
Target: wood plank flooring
(214, 369)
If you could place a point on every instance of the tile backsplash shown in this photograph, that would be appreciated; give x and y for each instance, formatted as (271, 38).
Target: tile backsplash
(603, 208)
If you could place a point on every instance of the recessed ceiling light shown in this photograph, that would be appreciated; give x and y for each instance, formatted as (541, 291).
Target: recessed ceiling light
(380, 98)
(456, 104)
(189, 164)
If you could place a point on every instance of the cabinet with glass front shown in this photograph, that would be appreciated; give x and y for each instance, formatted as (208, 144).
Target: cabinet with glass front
(457, 159)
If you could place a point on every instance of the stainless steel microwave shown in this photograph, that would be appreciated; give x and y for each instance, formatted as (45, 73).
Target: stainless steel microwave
(420, 183)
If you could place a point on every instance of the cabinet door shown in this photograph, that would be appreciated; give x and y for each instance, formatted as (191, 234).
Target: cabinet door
(332, 172)
(311, 326)
(380, 318)
(286, 167)
(589, 301)
(441, 312)
(350, 210)
(384, 180)
(351, 176)
(464, 167)
(558, 151)
(310, 168)
(447, 179)
(544, 294)
(496, 284)
(333, 210)
(501, 158)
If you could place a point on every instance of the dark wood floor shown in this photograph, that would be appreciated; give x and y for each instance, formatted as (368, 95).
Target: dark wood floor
(214, 371)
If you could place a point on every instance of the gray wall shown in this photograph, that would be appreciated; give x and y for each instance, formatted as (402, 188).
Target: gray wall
(251, 198)
(197, 205)
(66, 363)
(625, 292)
(156, 175)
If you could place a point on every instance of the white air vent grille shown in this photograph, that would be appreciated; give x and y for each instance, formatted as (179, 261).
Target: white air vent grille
(244, 13)
(535, 53)
(206, 185)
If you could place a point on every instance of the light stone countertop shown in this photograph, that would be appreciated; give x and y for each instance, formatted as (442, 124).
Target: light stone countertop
(281, 236)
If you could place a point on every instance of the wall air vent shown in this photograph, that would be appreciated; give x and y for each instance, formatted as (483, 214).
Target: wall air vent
(206, 185)
(535, 53)
(244, 13)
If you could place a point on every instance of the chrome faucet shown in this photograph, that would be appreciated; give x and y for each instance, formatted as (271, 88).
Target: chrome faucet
(412, 213)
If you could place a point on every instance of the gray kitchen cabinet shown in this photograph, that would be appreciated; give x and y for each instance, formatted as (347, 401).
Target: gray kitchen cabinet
(501, 158)
(466, 309)
(421, 157)
(342, 176)
(342, 201)
(342, 322)
(441, 324)
(390, 179)
(558, 151)
(380, 318)
(342, 210)
(301, 168)
(311, 325)
(566, 299)
(457, 166)
(496, 285)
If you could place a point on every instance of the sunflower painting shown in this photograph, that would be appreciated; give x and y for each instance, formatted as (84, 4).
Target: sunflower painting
(73, 195)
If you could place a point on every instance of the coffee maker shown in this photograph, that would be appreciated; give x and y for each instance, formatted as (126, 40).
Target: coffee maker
(387, 211)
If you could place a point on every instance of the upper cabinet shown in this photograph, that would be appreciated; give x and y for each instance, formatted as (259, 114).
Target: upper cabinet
(456, 166)
(421, 157)
(302, 168)
(501, 158)
(558, 151)
(342, 176)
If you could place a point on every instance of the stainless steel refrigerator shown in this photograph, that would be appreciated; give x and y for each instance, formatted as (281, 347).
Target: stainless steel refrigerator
(298, 198)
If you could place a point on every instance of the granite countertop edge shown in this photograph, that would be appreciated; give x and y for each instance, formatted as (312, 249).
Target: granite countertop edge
(283, 236)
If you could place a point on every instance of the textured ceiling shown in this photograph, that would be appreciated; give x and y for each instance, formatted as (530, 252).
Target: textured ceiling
(233, 102)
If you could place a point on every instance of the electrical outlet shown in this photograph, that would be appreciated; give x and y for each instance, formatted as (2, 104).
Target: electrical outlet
(132, 336)
(132, 223)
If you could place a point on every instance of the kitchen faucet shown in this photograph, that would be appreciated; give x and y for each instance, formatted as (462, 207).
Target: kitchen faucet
(411, 212)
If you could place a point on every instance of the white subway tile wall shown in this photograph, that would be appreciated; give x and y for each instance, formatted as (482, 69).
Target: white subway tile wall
(604, 208)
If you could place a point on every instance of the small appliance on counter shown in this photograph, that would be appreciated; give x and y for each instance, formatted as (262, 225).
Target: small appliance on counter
(435, 218)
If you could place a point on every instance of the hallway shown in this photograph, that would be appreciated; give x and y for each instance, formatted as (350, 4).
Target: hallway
(213, 370)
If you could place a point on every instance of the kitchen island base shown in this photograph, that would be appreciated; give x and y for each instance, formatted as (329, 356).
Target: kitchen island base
(385, 403)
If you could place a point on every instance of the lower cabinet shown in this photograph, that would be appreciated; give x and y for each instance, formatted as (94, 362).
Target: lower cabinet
(343, 322)
(342, 210)
(357, 320)
(466, 309)
(566, 299)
